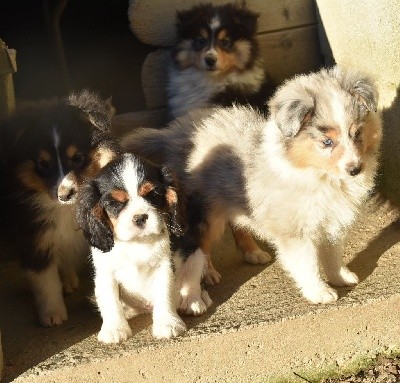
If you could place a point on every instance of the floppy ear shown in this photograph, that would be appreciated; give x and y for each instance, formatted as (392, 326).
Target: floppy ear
(175, 207)
(92, 218)
(291, 107)
(360, 86)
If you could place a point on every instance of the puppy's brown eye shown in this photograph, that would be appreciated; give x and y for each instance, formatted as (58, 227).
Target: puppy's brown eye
(328, 143)
(199, 43)
(77, 160)
(43, 164)
(225, 43)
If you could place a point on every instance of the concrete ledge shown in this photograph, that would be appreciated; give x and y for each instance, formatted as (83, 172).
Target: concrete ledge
(260, 329)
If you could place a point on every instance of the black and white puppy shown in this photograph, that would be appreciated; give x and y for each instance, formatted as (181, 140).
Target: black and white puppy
(128, 214)
(48, 149)
(216, 60)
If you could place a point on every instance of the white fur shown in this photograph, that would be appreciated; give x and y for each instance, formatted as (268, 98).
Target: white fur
(191, 88)
(215, 23)
(68, 248)
(143, 268)
(140, 263)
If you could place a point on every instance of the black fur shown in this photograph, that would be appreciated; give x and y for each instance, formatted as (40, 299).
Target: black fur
(83, 120)
(93, 219)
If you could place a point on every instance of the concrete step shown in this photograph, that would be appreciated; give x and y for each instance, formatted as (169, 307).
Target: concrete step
(259, 329)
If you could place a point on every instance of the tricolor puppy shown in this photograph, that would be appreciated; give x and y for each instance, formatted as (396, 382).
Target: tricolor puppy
(217, 62)
(216, 59)
(296, 179)
(129, 213)
(50, 147)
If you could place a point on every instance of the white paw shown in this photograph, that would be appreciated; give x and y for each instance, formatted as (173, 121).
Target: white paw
(257, 257)
(116, 334)
(54, 316)
(320, 294)
(344, 278)
(168, 327)
(193, 304)
(212, 277)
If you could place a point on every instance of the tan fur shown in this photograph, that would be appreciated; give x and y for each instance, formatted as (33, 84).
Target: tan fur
(29, 178)
(120, 195)
(71, 151)
(146, 188)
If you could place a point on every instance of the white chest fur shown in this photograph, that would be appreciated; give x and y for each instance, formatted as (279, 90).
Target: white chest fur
(134, 264)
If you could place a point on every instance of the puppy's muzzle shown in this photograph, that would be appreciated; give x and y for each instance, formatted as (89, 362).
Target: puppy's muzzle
(67, 190)
(140, 219)
(354, 168)
(210, 61)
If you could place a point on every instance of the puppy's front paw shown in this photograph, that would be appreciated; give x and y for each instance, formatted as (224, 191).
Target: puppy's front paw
(257, 257)
(193, 304)
(53, 316)
(117, 334)
(168, 327)
(345, 277)
(320, 294)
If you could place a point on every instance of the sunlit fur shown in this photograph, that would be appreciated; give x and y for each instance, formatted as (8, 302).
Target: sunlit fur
(128, 213)
(296, 179)
(50, 147)
(216, 59)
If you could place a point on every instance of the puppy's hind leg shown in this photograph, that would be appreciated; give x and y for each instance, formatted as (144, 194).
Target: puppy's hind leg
(47, 289)
(299, 257)
(331, 257)
(249, 248)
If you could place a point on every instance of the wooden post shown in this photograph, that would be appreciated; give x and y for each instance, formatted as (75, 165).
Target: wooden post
(8, 66)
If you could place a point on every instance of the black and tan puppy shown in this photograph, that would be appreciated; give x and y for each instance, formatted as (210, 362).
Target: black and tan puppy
(216, 59)
(48, 149)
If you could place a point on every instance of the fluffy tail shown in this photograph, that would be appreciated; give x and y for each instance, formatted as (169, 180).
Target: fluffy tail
(149, 143)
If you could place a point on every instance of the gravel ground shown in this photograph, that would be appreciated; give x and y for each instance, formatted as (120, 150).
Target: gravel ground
(384, 370)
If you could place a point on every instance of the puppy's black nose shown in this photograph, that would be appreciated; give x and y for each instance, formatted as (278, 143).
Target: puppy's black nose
(140, 219)
(210, 61)
(354, 170)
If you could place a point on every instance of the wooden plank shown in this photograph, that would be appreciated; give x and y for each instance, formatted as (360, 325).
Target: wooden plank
(281, 14)
(154, 78)
(291, 52)
(153, 21)
(285, 54)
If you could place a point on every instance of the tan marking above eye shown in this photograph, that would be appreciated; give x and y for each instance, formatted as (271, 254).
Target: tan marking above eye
(204, 33)
(44, 155)
(119, 195)
(330, 133)
(146, 188)
(71, 151)
(223, 34)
